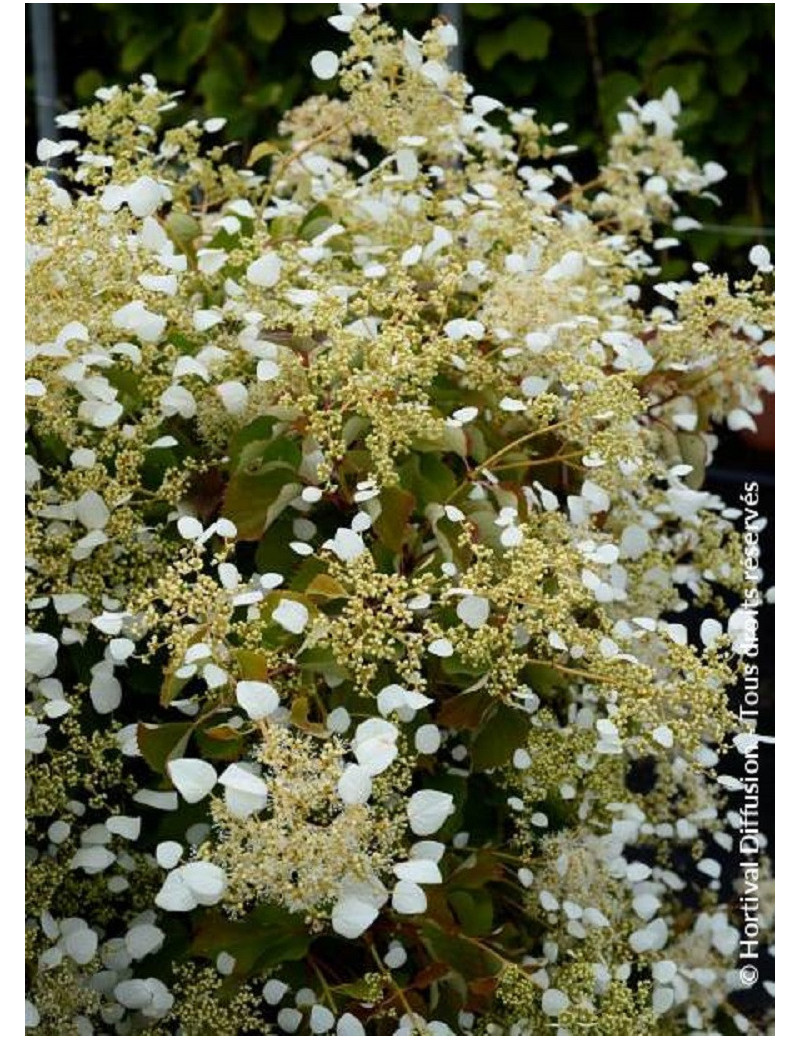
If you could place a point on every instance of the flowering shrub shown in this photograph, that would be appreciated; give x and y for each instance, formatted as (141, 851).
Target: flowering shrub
(363, 495)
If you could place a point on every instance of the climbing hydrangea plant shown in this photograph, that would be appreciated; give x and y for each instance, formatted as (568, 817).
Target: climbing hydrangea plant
(364, 498)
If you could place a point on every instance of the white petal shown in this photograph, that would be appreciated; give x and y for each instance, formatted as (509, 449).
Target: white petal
(265, 271)
(143, 939)
(355, 785)
(291, 615)
(759, 257)
(376, 754)
(189, 527)
(349, 1025)
(274, 991)
(258, 699)
(168, 854)
(133, 993)
(193, 777)
(473, 611)
(41, 652)
(91, 511)
(427, 810)
(409, 898)
(554, 1002)
(105, 693)
(352, 916)
(245, 793)
(206, 880)
(145, 195)
(81, 945)
(346, 544)
(422, 871)
(325, 64)
(428, 739)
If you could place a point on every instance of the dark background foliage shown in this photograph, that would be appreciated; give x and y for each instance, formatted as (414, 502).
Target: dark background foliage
(573, 62)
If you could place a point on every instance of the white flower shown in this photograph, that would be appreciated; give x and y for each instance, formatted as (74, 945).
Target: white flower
(351, 917)
(554, 1002)
(348, 1025)
(409, 898)
(427, 739)
(274, 991)
(136, 319)
(321, 1019)
(195, 884)
(355, 785)
(143, 939)
(427, 810)
(35, 735)
(41, 653)
(91, 511)
(461, 328)
(375, 745)
(105, 691)
(395, 698)
(47, 149)
(189, 527)
(759, 257)
(421, 871)
(78, 940)
(258, 699)
(193, 777)
(168, 854)
(245, 793)
(93, 859)
(473, 611)
(325, 64)
(441, 648)
(264, 272)
(346, 544)
(125, 826)
(177, 400)
(645, 905)
(145, 195)
(291, 615)
(233, 395)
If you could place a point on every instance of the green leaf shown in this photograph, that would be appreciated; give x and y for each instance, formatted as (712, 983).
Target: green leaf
(160, 743)
(615, 89)
(317, 220)
(474, 910)
(220, 743)
(428, 478)
(469, 958)
(138, 49)
(476, 871)
(397, 506)
(490, 48)
(261, 151)
(183, 229)
(464, 711)
(685, 79)
(265, 21)
(263, 482)
(264, 938)
(501, 735)
(528, 38)
(195, 39)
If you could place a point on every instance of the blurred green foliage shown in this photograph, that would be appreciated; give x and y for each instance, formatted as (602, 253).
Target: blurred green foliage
(573, 62)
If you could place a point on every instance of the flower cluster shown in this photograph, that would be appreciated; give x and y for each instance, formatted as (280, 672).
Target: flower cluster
(364, 497)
